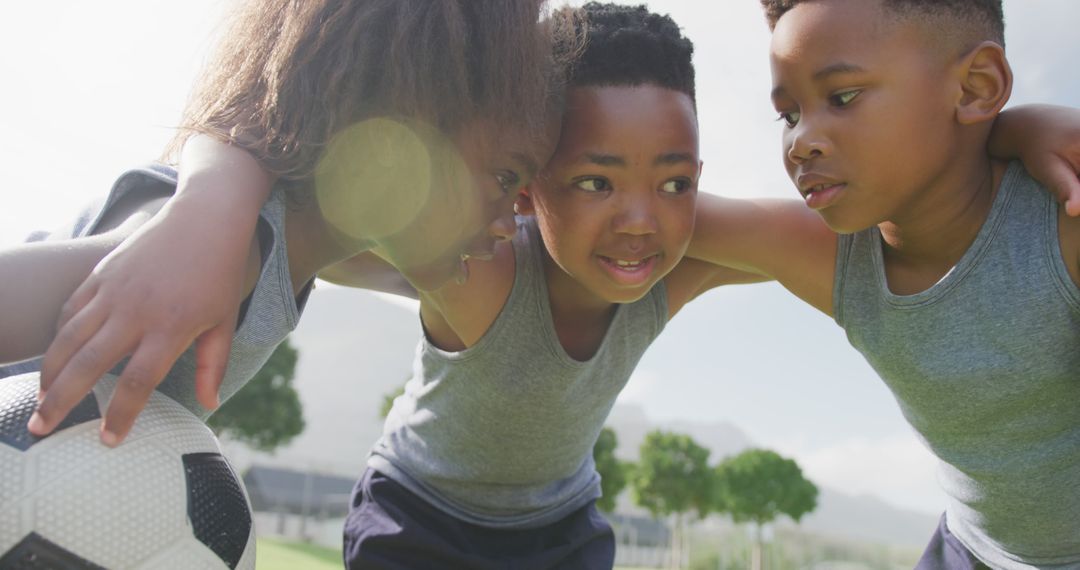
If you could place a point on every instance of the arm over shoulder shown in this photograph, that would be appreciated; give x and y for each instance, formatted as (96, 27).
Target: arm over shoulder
(779, 239)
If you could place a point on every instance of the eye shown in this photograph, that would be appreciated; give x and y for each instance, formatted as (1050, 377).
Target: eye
(508, 180)
(791, 119)
(593, 184)
(676, 186)
(843, 98)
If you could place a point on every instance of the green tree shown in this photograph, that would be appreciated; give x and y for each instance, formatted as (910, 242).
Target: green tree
(672, 477)
(612, 471)
(759, 485)
(266, 413)
(388, 401)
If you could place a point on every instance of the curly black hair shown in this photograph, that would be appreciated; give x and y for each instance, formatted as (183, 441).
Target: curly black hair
(629, 45)
(980, 19)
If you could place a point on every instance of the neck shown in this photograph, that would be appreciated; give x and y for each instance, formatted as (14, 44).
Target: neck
(570, 301)
(314, 245)
(944, 218)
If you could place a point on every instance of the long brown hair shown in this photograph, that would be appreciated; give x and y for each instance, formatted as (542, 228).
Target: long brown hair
(289, 74)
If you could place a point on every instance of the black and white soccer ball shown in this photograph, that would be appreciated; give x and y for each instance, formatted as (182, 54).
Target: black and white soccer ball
(166, 498)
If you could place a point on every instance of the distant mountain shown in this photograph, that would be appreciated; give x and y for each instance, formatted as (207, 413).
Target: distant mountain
(356, 347)
(864, 517)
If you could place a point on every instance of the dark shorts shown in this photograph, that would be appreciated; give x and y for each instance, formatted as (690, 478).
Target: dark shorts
(388, 527)
(946, 553)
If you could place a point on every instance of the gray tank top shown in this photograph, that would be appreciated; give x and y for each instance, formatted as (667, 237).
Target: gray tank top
(986, 367)
(268, 315)
(501, 434)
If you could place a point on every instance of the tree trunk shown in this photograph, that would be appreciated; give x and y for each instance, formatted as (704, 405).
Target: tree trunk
(756, 562)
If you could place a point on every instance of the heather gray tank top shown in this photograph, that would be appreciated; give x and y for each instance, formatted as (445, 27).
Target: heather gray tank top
(986, 367)
(268, 315)
(501, 434)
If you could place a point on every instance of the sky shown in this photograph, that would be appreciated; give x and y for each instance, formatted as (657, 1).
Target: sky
(92, 88)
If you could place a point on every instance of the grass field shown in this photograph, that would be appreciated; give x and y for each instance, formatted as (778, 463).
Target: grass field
(281, 555)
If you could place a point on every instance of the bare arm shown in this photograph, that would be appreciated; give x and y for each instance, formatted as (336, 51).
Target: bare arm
(369, 271)
(778, 239)
(1047, 139)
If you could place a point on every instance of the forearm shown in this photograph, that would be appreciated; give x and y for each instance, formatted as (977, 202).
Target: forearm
(38, 278)
(1017, 128)
(368, 271)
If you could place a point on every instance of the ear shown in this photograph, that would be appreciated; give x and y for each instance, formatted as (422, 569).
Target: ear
(523, 206)
(985, 82)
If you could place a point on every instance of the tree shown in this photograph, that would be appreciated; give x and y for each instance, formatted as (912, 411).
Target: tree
(672, 477)
(612, 471)
(759, 485)
(388, 401)
(266, 413)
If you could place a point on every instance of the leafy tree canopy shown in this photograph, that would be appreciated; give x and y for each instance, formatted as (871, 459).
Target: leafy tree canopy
(266, 413)
(758, 485)
(672, 475)
(612, 471)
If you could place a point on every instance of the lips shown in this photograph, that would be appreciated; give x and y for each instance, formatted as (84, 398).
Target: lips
(629, 270)
(820, 191)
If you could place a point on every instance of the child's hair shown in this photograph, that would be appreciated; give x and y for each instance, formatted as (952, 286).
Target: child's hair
(290, 74)
(969, 21)
(628, 45)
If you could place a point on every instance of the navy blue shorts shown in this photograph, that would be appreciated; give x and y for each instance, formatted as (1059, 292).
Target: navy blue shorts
(390, 528)
(946, 553)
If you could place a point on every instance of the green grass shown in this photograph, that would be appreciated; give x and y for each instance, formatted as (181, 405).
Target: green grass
(281, 555)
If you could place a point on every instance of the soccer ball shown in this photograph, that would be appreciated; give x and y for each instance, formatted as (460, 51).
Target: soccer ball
(165, 498)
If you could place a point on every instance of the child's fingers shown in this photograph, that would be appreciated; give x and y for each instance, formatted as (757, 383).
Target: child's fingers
(1063, 181)
(1072, 203)
(142, 374)
(211, 358)
(77, 302)
(69, 340)
(92, 360)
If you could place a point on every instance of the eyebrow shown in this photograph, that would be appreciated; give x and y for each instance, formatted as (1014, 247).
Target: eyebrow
(531, 168)
(836, 68)
(821, 74)
(661, 160)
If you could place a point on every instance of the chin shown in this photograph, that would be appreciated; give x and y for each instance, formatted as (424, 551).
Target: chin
(844, 224)
(627, 296)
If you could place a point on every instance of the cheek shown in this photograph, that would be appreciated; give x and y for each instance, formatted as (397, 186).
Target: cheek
(786, 141)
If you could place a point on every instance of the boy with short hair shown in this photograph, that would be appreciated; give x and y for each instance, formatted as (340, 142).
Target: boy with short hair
(955, 274)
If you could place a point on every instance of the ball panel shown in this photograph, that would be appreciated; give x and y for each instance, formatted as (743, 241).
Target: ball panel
(186, 554)
(12, 480)
(217, 506)
(21, 394)
(35, 552)
(134, 495)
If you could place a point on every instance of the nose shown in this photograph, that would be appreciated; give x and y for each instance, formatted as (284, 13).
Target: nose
(503, 227)
(806, 141)
(637, 215)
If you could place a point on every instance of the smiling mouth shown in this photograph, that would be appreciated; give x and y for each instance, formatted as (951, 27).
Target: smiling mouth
(628, 265)
(629, 271)
(821, 188)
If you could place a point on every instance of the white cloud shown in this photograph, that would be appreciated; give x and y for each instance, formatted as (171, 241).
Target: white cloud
(896, 469)
(640, 388)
